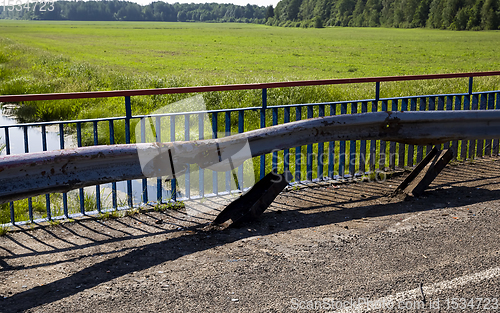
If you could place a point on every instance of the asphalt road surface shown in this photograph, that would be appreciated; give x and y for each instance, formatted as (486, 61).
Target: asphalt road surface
(326, 247)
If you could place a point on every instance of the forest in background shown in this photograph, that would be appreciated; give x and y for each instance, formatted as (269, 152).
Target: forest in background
(440, 14)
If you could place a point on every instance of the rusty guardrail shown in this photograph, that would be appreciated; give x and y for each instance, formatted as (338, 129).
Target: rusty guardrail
(28, 175)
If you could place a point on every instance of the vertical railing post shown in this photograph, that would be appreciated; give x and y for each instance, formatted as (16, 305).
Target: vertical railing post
(309, 149)
(113, 184)
(145, 196)
(7, 152)
(61, 146)
(227, 130)
(471, 83)
(215, 175)
(377, 91)
(173, 182)
(362, 144)
(331, 148)
(159, 181)
(466, 143)
(47, 196)
(201, 136)
(411, 148)
(352, 146)
(241, 129)
(97, 187)
(26, 150)
(263, 125)
(383, 144)
(392, 144)
(298, 150)
(402, 148)
(128, 116)
(321, 147)
(286, 152)
(275, 153)
(373, 143)
(187, 174)
(342, 148)
(79, 144)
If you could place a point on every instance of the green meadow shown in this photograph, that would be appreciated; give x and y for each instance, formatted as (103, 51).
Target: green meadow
(256, 52)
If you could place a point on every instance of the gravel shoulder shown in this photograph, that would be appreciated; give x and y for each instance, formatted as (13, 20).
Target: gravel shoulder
(321, 243)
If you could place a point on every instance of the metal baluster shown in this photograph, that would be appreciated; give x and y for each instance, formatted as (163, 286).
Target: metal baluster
(47, 196)
(465, 143)
(128, 117)
(187, 174)
(275, 153)
(432, 107)
(420, 149)
(331, 148)
(61, 146)
(454, 144)
(480, 142)
(215, 178)
(201, 134)
(392, 144)
(114, 195)
(286, 152)
(298, 150)
(309, 158)
(241, 129)
(352, 146)
(383, 143)
(343, 110)
(144, 181)
(472, 143)
(159, 180)
(411, 148)
(321, 147)
(7, 152)
(79, 143)
(401, 146)
(496, 141)
(449, 107)
(373, 143)
(26, 150)
(228, 133)
(173, 181)
(491, 106)
(263, 125)
(97, 187)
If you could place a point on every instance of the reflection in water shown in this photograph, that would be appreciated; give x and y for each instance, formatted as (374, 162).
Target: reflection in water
(16, 137)
(17, 146)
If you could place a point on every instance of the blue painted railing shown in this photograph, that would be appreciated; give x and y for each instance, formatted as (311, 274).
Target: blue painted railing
(322, 161)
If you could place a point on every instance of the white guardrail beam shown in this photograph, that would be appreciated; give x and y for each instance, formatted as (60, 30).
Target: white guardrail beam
(28, 175)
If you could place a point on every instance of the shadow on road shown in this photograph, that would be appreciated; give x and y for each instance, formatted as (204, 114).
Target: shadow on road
(149, 255)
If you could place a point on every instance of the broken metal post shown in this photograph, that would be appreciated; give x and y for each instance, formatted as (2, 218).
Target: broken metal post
(424, 173)
(252, 204)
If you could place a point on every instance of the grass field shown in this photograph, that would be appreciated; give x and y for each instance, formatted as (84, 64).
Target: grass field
(248, 51)
(42, 57)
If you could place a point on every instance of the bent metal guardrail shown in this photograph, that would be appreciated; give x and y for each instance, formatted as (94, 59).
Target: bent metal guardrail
(335, 159)
(34, 174)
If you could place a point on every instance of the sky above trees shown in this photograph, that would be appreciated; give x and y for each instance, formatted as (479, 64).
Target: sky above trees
(238, 2)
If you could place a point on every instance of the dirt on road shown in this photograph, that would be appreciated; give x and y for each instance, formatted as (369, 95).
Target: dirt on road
(318, 244)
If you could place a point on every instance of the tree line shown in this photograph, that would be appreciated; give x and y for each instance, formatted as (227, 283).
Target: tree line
(442, 14)
(130, 11)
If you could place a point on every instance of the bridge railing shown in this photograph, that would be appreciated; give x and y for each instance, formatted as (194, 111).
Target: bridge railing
(322, 161)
